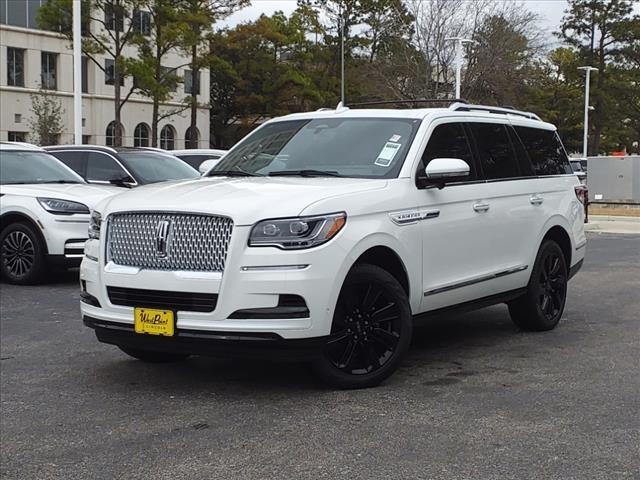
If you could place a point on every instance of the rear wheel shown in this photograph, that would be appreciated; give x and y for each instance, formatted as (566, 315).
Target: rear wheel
(371, 331)
(541, 307)
(22, 254)
(154, 357)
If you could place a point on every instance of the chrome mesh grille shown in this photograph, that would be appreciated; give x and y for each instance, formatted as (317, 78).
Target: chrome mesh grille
(193, 243)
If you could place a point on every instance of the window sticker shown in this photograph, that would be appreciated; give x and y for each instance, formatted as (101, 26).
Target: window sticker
(387, 154)
(395, 138)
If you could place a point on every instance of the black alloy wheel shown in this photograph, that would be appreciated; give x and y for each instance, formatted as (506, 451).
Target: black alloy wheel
(541, 307)
(22, 254)
(552, 285)
(371, 330)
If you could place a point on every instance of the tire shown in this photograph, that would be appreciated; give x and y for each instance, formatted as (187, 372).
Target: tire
(154, 357)
(22, 254)
(371, 330)
(541, 307)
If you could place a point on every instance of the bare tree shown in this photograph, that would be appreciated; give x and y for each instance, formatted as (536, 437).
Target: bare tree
(437, 20)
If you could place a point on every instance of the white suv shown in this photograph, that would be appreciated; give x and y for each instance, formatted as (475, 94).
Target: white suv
(322, 235)
(44, 213)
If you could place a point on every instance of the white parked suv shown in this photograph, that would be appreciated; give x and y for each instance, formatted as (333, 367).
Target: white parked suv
(322, 235)
(44, 213)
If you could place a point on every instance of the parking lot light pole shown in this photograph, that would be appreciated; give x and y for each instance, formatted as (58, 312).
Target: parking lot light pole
(77, 74)
(459, 59)
(588, 71)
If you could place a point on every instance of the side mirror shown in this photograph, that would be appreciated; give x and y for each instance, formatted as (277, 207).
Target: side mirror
(208, 165)
(440, 171)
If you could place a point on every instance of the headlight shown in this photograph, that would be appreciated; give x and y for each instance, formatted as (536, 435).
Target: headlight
(62, 207)
(296, 233)
(95, 222)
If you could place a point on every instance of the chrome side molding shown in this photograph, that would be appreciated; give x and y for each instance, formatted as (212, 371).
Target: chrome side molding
(473, 281)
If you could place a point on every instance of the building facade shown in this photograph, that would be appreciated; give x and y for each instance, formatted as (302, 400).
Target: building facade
(34, 61)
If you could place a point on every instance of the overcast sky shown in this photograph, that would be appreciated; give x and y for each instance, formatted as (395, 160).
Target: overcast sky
(550, 11)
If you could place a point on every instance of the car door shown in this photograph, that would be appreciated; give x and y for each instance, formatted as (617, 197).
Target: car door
(103, 168)
(511, 203)
(457, 238)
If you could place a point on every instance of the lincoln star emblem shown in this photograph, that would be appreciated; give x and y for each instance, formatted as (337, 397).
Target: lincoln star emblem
(162, 238)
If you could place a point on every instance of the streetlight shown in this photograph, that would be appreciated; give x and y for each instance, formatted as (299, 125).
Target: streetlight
(459, 59)
(588, 71)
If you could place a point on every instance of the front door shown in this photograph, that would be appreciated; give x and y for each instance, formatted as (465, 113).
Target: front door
(458, 238)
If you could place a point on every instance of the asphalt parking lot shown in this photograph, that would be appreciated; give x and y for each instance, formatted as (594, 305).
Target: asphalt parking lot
(475, 399)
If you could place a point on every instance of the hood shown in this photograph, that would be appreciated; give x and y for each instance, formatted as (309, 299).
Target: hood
(246, 200)
(89, 195)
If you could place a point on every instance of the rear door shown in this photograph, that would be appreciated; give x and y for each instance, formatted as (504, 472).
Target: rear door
(510, 204)
(553, 187)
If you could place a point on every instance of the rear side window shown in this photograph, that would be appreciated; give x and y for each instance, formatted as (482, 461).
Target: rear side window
(103, 168)
(495, 151)
(76, 161)
(447, 141)
(545, 150)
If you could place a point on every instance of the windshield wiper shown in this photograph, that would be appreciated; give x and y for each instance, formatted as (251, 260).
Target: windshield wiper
(60, 181)
(233, 173)
(305, 173)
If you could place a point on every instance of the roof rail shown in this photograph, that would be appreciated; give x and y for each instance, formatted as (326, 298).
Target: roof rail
(465, 107)
(408, 102)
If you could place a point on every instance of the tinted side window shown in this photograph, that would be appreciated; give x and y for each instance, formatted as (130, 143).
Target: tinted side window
(74, 160)
(546, 152)
(102, 167)
(526, 170)
(495, 152)
(447, 141)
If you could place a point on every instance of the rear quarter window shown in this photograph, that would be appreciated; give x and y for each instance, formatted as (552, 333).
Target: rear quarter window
(545, 150)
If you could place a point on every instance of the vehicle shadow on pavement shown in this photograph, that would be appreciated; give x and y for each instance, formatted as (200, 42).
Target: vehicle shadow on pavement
(435, 341)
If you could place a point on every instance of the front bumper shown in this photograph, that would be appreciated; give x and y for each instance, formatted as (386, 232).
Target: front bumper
(65, 237)
(249, 293)
(220, 344)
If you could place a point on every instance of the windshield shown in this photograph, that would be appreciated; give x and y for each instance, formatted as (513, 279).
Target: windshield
(151, 167)
(18, 167)
(349, 147)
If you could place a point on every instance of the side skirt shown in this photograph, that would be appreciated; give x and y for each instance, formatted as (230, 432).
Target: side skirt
(471, 305)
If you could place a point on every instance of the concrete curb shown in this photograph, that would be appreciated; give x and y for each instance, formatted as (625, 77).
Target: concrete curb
(613, 218)
(610, 225)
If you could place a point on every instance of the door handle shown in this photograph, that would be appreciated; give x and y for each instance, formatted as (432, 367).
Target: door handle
(481, 207)
(536, 199)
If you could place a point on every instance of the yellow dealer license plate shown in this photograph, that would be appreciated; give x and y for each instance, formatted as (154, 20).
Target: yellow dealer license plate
(153, 322)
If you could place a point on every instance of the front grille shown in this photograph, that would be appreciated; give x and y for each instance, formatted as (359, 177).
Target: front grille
(185, 301)
(193, 242)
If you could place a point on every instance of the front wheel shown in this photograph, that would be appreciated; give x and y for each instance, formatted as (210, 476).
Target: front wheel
(371, 331)
(153, 357)
(22, 254)
(541, 307)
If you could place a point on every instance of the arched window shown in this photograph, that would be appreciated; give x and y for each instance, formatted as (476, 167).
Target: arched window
(111, 133)
(187, 139)
(141, 135)
(167, 138)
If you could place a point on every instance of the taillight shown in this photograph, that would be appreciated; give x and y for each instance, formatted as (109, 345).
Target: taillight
(582, 193)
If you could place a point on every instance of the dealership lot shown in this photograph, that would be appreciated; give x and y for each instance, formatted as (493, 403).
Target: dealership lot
(474, 399)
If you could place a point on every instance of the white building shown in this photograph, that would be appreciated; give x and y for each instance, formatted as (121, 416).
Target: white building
(30, 58)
